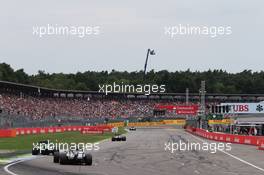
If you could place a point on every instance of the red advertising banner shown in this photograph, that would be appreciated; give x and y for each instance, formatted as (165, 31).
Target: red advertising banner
(187, 110)
(28, 131)
(92, 132)
(181, 110)
(7, 133)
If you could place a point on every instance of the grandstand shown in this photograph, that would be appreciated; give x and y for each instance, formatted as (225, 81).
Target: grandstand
(25, 105)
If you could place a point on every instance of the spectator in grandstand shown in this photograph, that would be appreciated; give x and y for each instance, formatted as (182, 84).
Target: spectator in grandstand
(38, 108)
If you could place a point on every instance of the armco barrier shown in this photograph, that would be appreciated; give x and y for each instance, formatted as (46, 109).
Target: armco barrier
(7, 133)
(144, 124)
(117, 124)
(231, 138)
(174, 122)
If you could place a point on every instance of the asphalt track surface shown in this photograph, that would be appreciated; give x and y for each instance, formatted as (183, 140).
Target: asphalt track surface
(144, 154)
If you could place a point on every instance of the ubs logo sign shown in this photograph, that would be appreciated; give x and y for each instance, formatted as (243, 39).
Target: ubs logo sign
(240, 108)
(246, 108)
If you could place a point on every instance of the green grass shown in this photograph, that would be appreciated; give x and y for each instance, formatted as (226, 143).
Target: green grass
(25, 142)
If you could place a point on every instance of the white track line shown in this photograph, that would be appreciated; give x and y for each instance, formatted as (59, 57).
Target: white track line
(19, 161)
(11, 164)
(231, 155)
(6, 168)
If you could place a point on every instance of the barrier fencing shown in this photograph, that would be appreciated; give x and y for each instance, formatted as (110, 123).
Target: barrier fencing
(230, 138)
(84, 129)
(29, 131)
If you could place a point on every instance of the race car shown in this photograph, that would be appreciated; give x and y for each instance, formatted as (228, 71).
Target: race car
(118, 138)
(132, 128)
(43, 148)
(72, 157)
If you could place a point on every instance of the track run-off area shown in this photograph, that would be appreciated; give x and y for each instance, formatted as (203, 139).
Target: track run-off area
(144, 153)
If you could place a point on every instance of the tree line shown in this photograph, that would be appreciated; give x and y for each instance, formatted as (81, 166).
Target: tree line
(217, 81)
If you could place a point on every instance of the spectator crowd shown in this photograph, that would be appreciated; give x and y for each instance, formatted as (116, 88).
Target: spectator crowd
(37, 108)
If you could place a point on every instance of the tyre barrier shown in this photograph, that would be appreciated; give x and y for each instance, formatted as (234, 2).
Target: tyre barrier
(230, 138)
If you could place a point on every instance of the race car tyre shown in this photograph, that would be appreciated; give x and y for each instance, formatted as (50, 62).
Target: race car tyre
(123, 138)
(35, 152)
(53, 151)
(45, 152)
(56, 157)
(63, 159)
(88, 159)
(113, 139)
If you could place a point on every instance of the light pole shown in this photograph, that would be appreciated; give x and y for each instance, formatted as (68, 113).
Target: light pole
(149, 52)
(187, 96)
(187, 99)
(202, 108)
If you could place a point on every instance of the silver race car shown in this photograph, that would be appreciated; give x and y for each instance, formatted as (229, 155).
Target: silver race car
(65, 157)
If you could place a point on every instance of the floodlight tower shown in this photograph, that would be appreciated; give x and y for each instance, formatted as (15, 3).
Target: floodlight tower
(187, 99)
(149, 52)
(187, 96)
(202, 107)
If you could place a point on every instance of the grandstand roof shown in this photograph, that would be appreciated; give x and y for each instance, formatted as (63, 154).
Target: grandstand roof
(12, 87)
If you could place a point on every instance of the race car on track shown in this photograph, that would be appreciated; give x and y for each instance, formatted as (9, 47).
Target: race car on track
(43, 148)
(72, 157)
(118, 138)
(132, 129)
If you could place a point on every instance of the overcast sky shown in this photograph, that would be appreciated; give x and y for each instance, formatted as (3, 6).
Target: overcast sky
(127, 29)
